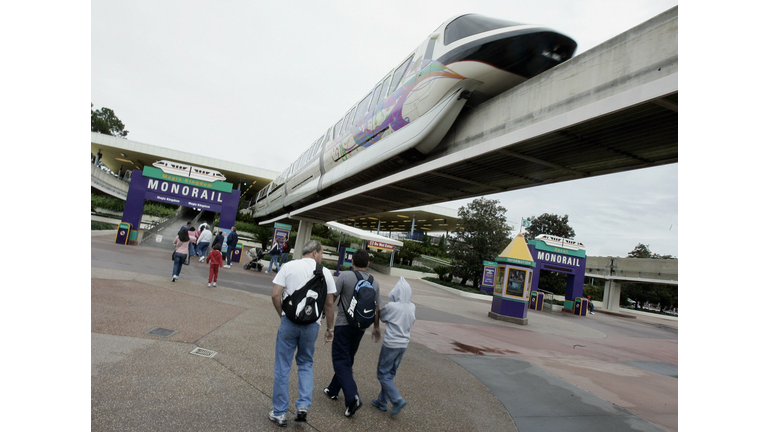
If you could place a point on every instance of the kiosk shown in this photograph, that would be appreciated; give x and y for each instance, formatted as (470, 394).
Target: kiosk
(512, 291)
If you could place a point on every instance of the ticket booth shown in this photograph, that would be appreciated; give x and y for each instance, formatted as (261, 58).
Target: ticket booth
(511, 294)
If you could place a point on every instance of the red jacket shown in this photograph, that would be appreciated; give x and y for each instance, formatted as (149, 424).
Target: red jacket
(214, 258)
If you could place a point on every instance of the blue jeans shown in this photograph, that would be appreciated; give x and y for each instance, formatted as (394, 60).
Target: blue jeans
(178, 261)
(276, 261)
(346, 340)
(202, 248)
(301, 340)
(230, 251)
(191, 251)
(389, 361)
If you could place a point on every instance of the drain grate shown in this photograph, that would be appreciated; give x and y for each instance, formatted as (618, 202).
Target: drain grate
(163, 332)
(203, 352)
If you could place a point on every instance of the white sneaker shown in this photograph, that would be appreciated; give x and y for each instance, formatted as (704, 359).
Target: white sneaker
(280, 420)
(202, 259)
(174, 278)
(214, 284)
(209, 284)
(226, 266)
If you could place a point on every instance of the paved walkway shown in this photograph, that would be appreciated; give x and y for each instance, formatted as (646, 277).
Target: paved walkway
(462, 371)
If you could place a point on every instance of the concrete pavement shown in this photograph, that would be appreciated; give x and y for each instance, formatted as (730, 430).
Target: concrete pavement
(462, 371)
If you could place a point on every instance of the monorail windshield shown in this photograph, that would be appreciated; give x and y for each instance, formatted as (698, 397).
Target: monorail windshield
(469, 25)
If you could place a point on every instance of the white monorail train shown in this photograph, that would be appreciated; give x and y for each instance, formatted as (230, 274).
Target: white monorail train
(184, 170)
(407, 113)
(555, 241)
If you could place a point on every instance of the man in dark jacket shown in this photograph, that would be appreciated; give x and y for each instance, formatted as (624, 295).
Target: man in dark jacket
(231, 244)
(219, 239)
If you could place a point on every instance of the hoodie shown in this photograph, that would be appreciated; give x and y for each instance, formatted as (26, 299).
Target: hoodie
(399, 315)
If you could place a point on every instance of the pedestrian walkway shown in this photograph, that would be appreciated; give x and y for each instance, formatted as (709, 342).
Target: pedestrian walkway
(462, 371)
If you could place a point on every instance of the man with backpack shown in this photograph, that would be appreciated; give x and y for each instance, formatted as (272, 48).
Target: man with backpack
(358, 308)
(299, 324)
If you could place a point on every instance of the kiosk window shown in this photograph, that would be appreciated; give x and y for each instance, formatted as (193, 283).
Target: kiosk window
(515, 282)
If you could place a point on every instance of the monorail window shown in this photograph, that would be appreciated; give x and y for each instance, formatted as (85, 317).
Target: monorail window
(351, 116)
(362, 108)
(376, 94)
(384, 93)
(470, 25)
(337, 130)
(327, 136)
(398, 75)
(316, 146)
(346, 121)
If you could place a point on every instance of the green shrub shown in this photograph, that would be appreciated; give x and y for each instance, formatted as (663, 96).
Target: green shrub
(457, 286)
(160, 211)
(442, 272)
(102, 226)
(107, 203)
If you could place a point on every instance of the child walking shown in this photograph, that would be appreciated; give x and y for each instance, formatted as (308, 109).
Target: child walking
(399, 315)
(216, 260)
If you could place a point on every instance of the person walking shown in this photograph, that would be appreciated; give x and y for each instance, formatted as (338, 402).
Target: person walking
(274, 253)
(192, 242)
(296, 338)
(398, 315)
(231, 244)
(219, 239)
(215, 260)
(347, 337)
(202, 243)
(286, 252)
(181, 244)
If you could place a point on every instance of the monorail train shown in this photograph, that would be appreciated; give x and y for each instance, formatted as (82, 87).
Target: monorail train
(184, 170)
(468, 59)
(561, 242)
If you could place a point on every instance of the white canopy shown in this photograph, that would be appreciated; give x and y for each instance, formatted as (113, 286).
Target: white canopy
(365, 235)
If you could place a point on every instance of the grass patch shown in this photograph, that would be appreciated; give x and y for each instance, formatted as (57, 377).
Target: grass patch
(457, 286)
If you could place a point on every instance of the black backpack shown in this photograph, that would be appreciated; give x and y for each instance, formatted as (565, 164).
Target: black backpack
(305, 305)
(361, 309)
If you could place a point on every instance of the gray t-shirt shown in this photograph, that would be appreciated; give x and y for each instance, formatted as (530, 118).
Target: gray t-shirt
(345, 287)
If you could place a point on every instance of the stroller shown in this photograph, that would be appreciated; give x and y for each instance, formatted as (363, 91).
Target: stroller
(256, 255)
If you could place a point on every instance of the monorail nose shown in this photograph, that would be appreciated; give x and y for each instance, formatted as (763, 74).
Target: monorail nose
(525, 53)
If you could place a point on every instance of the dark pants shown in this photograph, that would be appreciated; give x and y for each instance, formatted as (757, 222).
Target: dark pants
(346, 340)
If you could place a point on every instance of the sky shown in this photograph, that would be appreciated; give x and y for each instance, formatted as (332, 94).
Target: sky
(258, 82)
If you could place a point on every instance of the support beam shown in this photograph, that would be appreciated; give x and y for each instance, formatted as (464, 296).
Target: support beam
(302, 237)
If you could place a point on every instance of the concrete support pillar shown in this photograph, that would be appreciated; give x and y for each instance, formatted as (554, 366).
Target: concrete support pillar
(302, 237)
(612, 296)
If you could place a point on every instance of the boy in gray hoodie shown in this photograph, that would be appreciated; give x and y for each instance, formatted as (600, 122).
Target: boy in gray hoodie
(399, 315)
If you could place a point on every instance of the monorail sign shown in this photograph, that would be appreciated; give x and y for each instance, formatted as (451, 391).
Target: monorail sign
(155, 185)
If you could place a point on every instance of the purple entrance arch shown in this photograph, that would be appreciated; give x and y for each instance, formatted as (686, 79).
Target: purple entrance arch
(187, 193)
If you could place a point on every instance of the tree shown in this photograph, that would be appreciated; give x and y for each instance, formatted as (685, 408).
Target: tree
(642, 293)
(484, 234)
(105, 121)
(643, 251)
(551, 224)
(555, 225)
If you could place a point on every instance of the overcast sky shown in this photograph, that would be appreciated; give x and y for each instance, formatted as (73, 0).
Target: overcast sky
(257, 82)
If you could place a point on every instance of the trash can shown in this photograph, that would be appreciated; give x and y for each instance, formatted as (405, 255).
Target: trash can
(238, 253)
(580, 306)
(123, 233)
(537, 301)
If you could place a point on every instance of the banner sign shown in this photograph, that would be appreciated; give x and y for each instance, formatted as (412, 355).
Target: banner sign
(489, 274)
(380, 245)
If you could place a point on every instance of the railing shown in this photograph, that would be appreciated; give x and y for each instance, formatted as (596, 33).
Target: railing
(549, 297)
